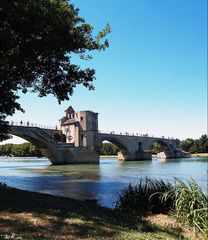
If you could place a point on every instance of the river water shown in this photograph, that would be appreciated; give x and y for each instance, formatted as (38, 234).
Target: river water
(103, 181)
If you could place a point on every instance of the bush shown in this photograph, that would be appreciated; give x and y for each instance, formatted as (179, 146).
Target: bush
(144, 198)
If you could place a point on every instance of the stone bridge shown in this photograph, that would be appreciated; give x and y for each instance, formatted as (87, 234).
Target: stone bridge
(56, 151)
(138, 147)
(79, 141)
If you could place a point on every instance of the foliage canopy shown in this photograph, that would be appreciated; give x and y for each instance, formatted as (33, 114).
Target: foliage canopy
(195, 146)
(37, 41)
(20, 150)
(189, 145)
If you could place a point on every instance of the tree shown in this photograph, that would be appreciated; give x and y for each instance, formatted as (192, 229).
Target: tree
(6, 149)
(37, 41)
(108, 149)
(203, 143)
(195, 146)
(156, 148)
(186, 144)
(8, 105)
(20, 150)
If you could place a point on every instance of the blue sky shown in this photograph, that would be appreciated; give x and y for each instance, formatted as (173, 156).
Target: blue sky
(153, 77)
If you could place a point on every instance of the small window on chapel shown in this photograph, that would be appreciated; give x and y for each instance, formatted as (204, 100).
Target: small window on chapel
(82, 136)
(81, 118)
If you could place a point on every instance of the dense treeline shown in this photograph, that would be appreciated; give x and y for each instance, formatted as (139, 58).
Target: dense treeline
(189, 145)
(108, 149)
(20, 150)
(29, 150)
(195, 145)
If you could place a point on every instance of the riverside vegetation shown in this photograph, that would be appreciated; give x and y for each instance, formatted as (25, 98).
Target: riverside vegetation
(189, 145)
(29, 215)
(189, 205)
(186, 202)
(20, 150)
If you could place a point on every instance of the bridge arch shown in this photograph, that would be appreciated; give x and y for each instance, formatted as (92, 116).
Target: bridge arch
(165, 148)
(124, 152)
(37, 137)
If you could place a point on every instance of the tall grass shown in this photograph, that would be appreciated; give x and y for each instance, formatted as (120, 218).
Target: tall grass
(187, 202)
(190, 205)
(140, 199)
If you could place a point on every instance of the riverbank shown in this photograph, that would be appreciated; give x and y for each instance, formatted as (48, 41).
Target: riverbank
(108, 156)
(114, 156)
(205, 155)
(29, 215)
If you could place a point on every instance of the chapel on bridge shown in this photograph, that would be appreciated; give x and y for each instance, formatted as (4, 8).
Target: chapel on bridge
(80, 128)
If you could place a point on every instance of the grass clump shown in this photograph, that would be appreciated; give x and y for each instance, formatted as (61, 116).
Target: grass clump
(190, 205)
(187, 202)
(141, 199)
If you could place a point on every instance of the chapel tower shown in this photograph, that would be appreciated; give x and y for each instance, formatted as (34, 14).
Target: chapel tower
(80, 128)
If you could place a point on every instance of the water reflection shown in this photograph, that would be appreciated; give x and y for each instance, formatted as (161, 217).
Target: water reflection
(88, 181)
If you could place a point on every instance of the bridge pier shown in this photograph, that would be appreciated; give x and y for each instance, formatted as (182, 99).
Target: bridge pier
(143, 155)
(136, 156)
(73, 155)
(48, 153)
(177, 153)
(125, 156)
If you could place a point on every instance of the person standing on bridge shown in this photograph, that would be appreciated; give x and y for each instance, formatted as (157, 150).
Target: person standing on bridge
(21, 122)
(28, 123)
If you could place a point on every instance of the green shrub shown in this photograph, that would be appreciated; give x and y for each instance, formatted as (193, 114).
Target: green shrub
(144, 198)
(190, 205)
